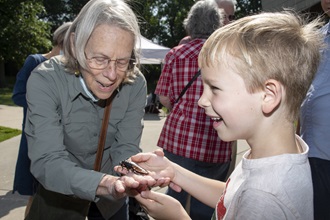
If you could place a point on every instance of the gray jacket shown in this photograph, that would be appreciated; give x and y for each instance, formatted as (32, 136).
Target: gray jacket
(63, 128)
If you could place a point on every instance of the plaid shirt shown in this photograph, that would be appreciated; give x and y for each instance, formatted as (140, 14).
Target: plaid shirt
(187, 131)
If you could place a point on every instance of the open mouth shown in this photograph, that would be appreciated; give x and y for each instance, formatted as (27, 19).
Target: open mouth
(103, 85)
(216, 119)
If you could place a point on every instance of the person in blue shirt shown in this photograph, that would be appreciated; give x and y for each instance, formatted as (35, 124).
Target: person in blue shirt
(315, 126)
(24, 182)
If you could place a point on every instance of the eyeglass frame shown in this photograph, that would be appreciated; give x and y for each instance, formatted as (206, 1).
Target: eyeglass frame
(130, 60)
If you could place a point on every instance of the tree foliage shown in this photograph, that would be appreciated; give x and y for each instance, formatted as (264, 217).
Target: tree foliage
(22, 31)
(60, 11)
(161, 20)
(247, 7)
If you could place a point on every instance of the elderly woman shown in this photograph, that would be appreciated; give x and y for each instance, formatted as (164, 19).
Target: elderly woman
(67, 97)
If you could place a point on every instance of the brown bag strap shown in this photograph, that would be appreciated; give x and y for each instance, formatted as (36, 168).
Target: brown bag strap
(104, 128)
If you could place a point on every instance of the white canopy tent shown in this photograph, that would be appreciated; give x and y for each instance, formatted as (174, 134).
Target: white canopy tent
(151, 53)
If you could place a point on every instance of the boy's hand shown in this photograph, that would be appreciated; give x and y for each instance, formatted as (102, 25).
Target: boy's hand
(161, 206)
(158, 167)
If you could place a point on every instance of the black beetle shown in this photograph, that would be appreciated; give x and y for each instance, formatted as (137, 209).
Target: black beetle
(131, 166)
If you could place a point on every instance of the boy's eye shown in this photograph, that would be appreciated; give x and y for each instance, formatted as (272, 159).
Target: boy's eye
(214, 88)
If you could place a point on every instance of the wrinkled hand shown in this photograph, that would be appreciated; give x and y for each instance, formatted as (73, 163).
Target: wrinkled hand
(128, 185)
(161, 206)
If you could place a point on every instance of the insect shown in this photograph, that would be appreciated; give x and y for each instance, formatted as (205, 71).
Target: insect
(131, 166)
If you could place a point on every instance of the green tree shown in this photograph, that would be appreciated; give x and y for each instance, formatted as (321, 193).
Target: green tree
(161, 20)
(247, 7)
(22, 32)
(60, 11)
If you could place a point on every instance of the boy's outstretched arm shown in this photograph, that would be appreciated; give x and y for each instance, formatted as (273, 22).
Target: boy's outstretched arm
(204, 189)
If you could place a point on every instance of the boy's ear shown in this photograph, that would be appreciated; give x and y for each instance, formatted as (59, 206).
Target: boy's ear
(273, 92)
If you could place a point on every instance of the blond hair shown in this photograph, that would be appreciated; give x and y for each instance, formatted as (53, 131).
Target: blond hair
(281, 46)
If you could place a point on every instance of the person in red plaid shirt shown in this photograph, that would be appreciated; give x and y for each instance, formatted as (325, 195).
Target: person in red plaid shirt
(188, 137)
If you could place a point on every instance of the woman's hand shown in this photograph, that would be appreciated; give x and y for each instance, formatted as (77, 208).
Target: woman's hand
(128, 185)
(161, 206)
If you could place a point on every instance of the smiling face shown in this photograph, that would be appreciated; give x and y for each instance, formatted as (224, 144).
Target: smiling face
(107, 42)
(235, 112)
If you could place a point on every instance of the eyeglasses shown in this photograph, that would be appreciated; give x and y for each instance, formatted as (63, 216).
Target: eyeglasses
(100, 63)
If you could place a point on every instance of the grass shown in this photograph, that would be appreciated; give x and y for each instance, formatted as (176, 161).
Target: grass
(6, 133)
(6, 93)
(165, 110)
(5, 99)
(5, 96)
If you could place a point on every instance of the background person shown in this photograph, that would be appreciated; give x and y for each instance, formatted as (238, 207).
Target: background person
(229, 7)
(188, 137)
(24, 182)
(315, 125)
(66, 99)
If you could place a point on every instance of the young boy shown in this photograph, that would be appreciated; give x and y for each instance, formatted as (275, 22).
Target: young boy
(256, 72)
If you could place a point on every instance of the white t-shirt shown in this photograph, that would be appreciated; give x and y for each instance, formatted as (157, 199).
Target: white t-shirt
(278, 187)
